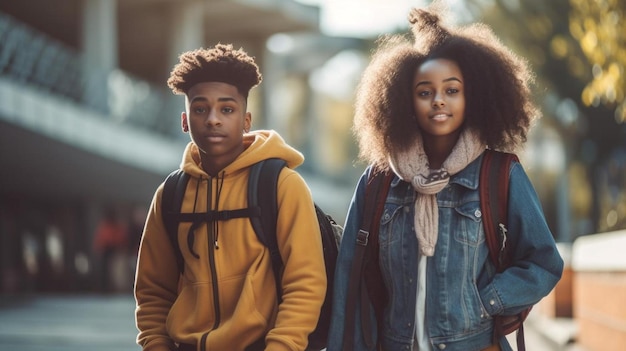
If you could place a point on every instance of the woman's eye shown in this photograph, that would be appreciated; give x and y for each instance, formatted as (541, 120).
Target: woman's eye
(423, 93)
(453, 90)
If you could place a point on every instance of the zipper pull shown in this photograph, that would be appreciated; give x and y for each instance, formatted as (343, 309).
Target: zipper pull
(503, 232)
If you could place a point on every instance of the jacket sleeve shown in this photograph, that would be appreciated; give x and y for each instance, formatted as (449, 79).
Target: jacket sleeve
(304, 275)
(536, 263)
(156, 281)
(342, 274)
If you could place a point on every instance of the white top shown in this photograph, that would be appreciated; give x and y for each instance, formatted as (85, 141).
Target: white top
(421, 336)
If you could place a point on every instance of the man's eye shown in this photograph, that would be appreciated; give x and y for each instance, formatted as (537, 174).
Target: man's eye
(199, 110)
(228, 110)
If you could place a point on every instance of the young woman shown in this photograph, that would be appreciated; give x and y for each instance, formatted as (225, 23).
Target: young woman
(427, 111)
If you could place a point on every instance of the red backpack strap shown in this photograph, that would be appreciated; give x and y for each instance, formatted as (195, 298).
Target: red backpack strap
(494, 196)
(365, 261)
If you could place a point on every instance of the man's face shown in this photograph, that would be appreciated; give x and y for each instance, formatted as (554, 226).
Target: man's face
(216, 119)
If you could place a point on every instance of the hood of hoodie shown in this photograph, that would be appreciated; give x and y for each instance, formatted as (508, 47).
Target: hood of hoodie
(259, 145)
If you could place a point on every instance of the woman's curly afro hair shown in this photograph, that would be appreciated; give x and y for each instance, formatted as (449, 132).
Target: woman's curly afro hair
(498, 101)
(219, 64)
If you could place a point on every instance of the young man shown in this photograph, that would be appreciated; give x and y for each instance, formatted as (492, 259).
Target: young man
(225, 299)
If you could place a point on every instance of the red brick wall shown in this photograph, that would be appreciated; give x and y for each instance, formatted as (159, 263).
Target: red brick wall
(559, 302)
(600, 310)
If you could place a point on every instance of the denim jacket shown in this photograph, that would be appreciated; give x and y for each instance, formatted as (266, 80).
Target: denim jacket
(463, 290)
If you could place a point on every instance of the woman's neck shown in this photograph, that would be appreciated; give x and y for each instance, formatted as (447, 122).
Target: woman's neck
(438, 148)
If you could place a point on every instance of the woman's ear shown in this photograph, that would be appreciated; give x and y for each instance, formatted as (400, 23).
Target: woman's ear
(183, 122)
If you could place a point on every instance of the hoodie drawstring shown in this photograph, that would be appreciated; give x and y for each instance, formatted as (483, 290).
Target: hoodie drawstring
(213, 226)
(219, 185)
(194, 225)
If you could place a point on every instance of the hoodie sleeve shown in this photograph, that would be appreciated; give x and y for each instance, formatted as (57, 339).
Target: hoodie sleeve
(156, 281)
(304, 276)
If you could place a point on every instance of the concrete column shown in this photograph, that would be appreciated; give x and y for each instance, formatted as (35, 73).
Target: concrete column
(100, 44)
(187, 28)
(100, 51)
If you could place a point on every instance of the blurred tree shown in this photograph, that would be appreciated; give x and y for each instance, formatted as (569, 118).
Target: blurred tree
(578, 50)
(599, 27)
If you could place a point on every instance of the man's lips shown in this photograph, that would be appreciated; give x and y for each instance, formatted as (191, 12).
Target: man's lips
(215, 136)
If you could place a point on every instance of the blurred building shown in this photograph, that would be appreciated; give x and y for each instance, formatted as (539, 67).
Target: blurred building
(87, 122)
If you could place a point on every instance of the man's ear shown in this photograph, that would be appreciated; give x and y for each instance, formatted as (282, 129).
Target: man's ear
(247, 122)
(183, 122)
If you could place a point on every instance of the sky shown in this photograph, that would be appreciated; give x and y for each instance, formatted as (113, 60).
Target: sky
(365, 18)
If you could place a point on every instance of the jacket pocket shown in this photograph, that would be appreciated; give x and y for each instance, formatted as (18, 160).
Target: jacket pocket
(392, 224)
(467, 225)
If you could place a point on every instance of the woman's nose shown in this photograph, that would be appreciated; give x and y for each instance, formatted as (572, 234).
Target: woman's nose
(438, 102)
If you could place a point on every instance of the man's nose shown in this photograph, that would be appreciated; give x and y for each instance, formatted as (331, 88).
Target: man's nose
(212, 117)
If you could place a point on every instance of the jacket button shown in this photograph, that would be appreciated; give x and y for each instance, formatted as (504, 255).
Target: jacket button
(441, 346)
(478, 214)
(492, 302)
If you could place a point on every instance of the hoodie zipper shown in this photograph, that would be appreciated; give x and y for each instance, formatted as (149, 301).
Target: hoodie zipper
(216, 296)
(212, 246)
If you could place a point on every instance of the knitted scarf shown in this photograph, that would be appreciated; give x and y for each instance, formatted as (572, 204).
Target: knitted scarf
(411, 166)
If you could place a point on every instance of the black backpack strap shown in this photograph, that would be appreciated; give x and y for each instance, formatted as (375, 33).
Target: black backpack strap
(171, 202)
(366, 257)
(263, 187)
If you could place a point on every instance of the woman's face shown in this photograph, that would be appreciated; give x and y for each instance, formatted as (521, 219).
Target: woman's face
(439, 98)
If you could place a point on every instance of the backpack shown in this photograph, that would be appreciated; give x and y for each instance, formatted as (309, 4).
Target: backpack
(262, 211)
(494, 196)
(365, 276)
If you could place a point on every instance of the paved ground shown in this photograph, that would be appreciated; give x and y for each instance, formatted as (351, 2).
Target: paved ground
(67, 323)
(543, 334)
(106, 323)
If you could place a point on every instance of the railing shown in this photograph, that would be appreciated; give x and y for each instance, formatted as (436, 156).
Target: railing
(31, 57)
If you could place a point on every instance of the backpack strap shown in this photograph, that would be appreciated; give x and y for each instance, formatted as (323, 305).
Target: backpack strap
(494, 196)
(262, 195)
(365, 262)
(171, 202)
(263, 186)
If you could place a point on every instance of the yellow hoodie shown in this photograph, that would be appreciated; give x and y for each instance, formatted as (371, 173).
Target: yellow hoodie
(227, 295)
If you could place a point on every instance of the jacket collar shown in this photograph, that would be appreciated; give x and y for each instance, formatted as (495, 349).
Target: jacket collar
(470, 175)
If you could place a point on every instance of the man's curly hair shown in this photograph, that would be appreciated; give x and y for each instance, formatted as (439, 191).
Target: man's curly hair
(498, 101)
(219, 64)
